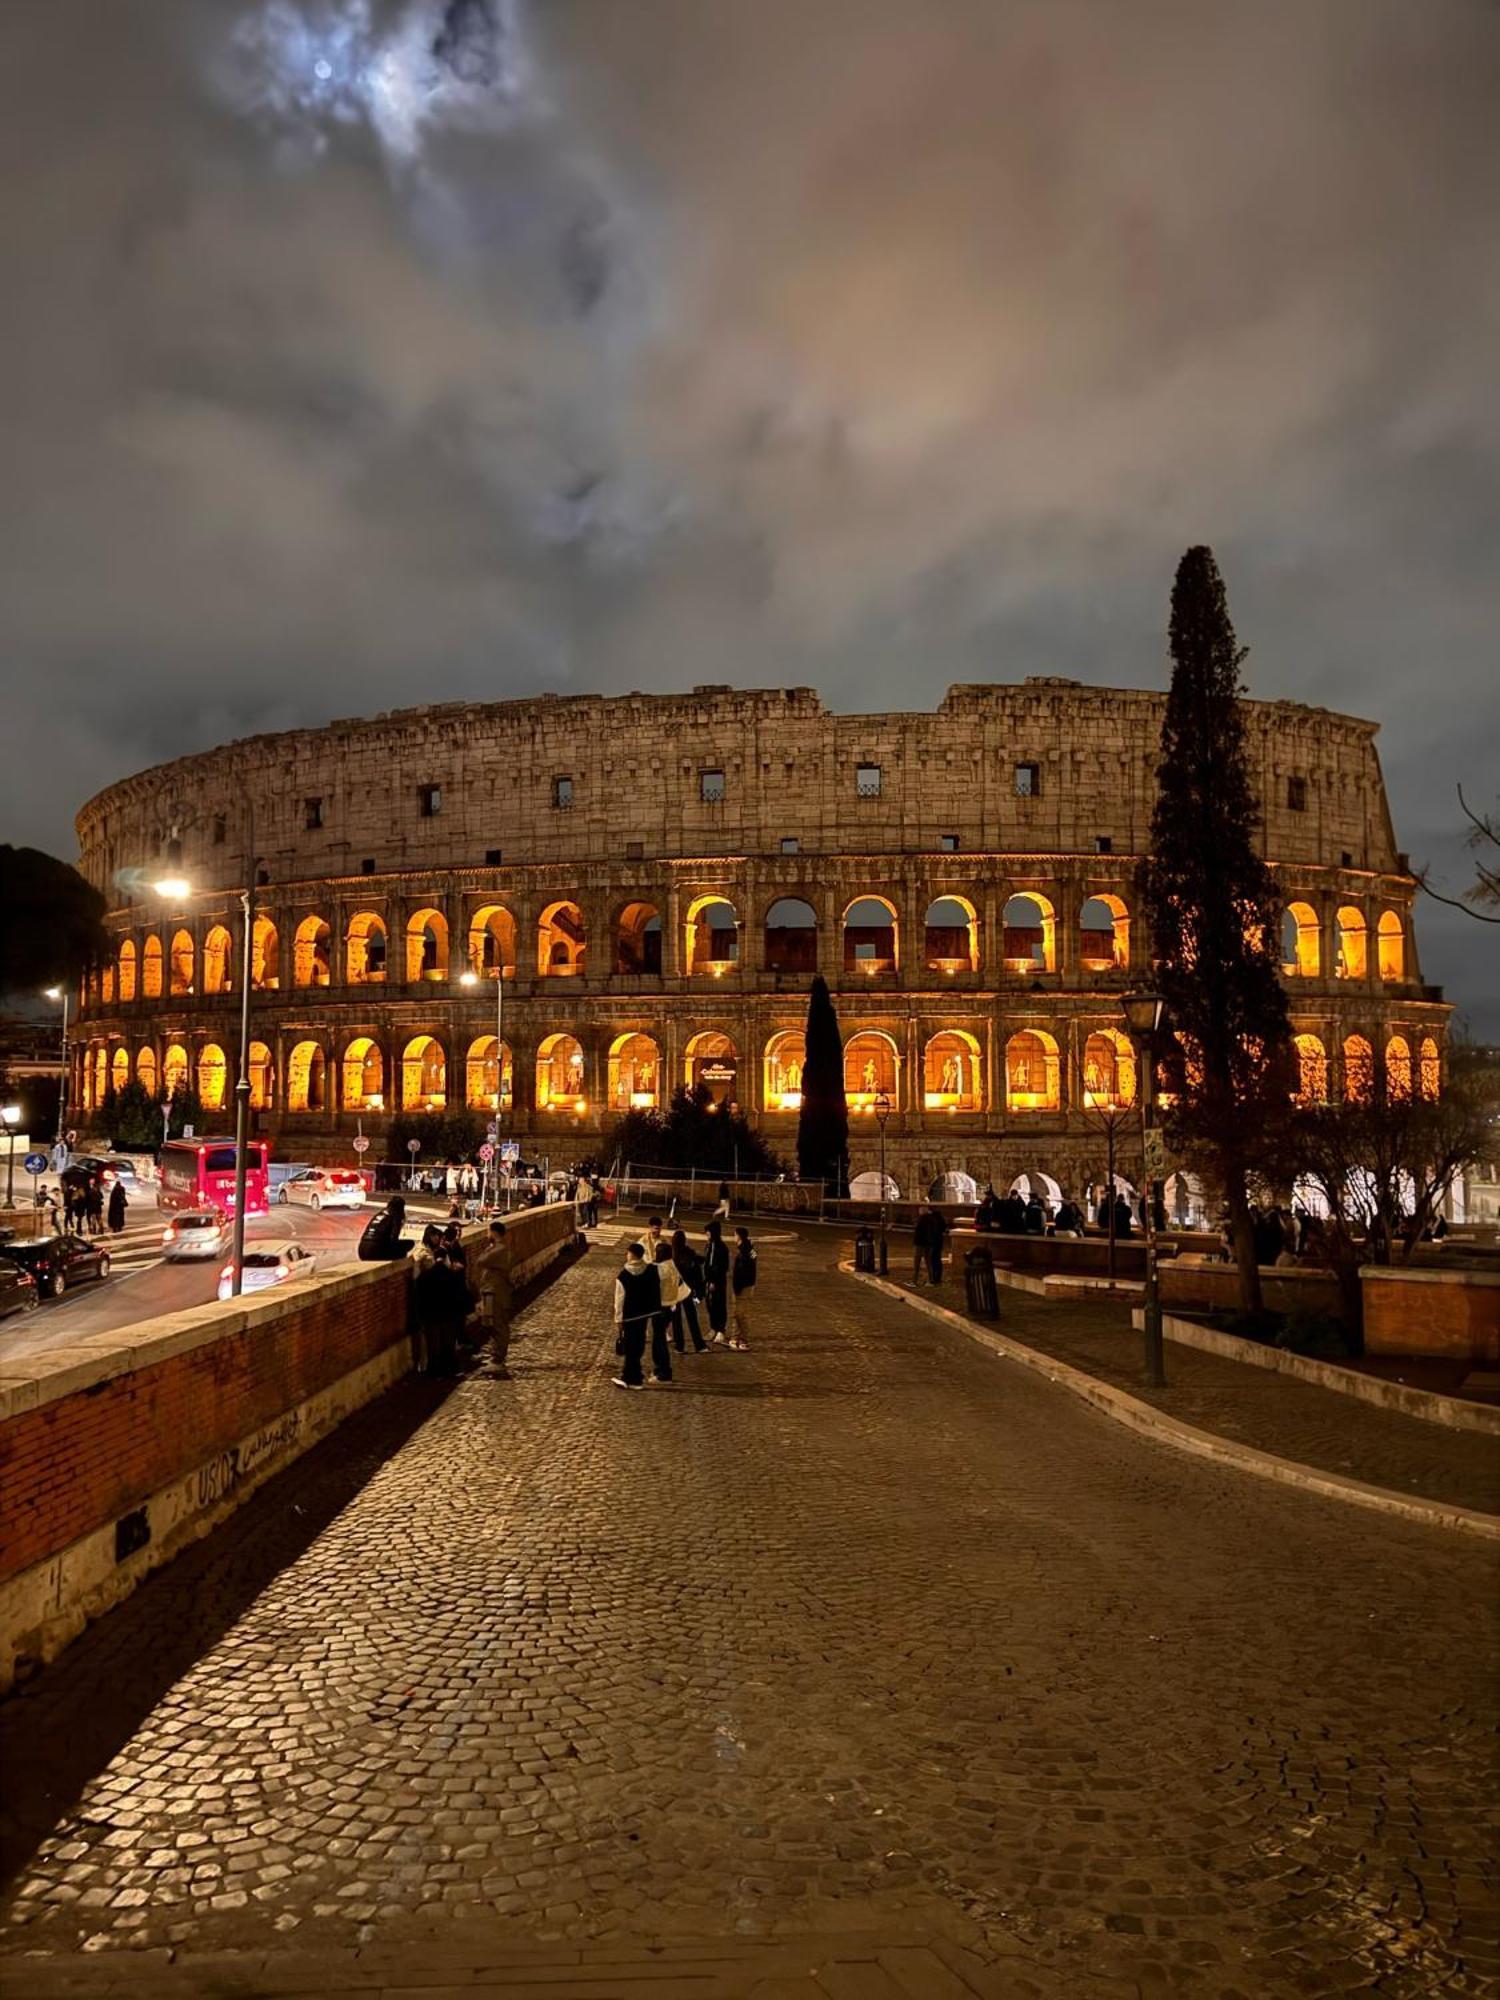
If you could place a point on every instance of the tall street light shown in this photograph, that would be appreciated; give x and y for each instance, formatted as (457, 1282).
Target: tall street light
(471, 978)
(10, 1117)
(61, 993)
(1143, 1014)
(882, 1109)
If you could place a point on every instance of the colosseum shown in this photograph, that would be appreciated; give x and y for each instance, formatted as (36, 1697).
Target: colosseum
(653, 879)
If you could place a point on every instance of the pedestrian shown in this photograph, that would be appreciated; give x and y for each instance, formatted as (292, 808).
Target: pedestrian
(94, 1208)
(1012, 1214)
(690, 1272)
(987, 1215)
(425, 1299)
(453, 1248)
(670, 1286)
(652, 1237)
(743, 1280)
(716, 1282)
(69, 1205)
(381, 1240)
(1069, 1219)
(1036, 1215)
(721, 1212)
(637, 1297)
(116, 1209)
(496, 1298)
(919, 1235)
(1122, 1217)
(937, 1236)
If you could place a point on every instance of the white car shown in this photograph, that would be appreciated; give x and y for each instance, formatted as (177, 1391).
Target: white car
(324, 1187)
(197, 1232)
(268, 1264)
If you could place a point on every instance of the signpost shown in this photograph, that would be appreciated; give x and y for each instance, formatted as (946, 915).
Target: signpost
(486, 1152)
(361, 1144)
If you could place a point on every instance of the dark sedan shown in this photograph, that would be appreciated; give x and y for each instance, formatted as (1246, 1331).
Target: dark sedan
(58, 1262)
(17, 1289)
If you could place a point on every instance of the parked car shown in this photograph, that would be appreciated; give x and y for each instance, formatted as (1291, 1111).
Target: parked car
(268, 1264)
(196, 1232)
(124, 1170)
(324, 1187)
(56, 1262)
(18, 1293)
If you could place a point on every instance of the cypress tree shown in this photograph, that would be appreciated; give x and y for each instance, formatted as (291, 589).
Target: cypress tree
(823, 1124)
(1215, 912)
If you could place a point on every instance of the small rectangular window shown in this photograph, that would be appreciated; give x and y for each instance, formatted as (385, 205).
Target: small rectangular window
(711, 787)
(1104, 843)
(367, 866)
(262, 878)
(867, 781)
(1028, 781)
(1346, 859)
(949, 843)
(312, 814)
(562, 793)
(492, 857)
(635, 850)
(790, 845)
(430, 800)
(1296, 795)
(221, 830)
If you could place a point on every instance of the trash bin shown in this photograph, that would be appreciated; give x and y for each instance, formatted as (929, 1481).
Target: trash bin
(979, 1284)
(864, 1250)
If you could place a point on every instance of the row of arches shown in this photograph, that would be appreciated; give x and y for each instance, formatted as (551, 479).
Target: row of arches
(1398, 1075)
(1302, 943)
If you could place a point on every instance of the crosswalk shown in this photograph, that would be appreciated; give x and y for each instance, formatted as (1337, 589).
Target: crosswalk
(138, 1243)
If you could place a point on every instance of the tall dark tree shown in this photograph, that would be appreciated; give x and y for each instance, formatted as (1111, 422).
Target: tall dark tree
(51, 922)
(1214, 911)
(823, 1124)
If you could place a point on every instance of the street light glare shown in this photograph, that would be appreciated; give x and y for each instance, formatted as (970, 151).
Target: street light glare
(174, 887)
(54, 993)
(470, 978)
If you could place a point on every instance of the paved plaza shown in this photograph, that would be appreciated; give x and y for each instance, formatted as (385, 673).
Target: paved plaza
(862, 1633)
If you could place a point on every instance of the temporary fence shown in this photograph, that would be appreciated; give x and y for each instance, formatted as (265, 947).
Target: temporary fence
(645, 1186)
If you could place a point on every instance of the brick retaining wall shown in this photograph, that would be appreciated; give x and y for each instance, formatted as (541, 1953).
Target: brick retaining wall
(1420, 1312)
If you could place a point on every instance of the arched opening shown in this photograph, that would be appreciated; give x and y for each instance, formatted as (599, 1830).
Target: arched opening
(262, 1077)
(1398, 1072)
(492, 941)
(1390, 946)
(870, 936)
(1429, 1068)
(180, 962)
(305, 1069)
(1032, 1072)
(364, 1075)
(950, 1072)
(870, 1071)
(1104, 934)
(712, 936)
(364, 950)
(1312, 1070)
(265, 956)
(213, 1074)
(119, 1069)
(426, 946)
(1186, 1201)
(107, 983)
(488, 1082)
(559, 1075)
(424, 1075)
(1353, 943)
(561, 942)
(1029, 926)
(786, 1058)
(311, 950)
(638, 939)
(217, 947)
(1108, 1071)
(1359, 1070)
(951, 935)
(145, 1070)
(634, 1073)
(101, 1074)
(712, 1064)
(174, 1069)
(1301, 947)
(791, 936)
(127, 970)
(151, 969)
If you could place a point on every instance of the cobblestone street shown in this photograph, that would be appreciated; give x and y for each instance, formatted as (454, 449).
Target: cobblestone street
(861, 1631)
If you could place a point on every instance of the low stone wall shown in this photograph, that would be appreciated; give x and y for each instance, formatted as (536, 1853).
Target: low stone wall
(1216, 1288)
(115, 1453)
(1455, 1314)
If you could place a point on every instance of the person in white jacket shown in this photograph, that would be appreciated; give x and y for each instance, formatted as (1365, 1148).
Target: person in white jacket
(670, 1281)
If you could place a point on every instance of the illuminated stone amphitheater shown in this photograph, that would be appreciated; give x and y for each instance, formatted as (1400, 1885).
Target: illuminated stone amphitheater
(659, 876)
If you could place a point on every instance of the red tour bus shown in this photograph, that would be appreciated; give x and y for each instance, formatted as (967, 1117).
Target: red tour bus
(199, 1173)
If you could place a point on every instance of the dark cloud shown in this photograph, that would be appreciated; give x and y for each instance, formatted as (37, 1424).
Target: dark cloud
(357, 353)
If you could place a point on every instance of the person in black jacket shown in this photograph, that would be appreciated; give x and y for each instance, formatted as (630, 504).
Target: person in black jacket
(637, 1298)
(690, 1271)
(716, 1282)
(382, 1239)
(743, 1279)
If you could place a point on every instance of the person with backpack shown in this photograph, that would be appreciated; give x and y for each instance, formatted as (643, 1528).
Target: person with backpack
(637, 1297)
(743, 1280)
(690, 1270)
(661, 1321)
(716, 1282)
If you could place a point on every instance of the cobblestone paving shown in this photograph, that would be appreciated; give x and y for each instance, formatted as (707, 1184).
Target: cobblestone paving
(862, 1630)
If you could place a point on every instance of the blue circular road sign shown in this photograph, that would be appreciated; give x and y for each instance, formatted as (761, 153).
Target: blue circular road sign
(36, 1163)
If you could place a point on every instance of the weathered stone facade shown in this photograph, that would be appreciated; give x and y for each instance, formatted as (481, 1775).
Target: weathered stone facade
(583, 841)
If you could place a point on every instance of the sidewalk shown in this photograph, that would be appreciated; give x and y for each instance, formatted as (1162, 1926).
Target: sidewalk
(1250, 1406)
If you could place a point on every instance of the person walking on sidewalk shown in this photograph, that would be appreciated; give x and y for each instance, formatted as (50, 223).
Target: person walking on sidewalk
(496, 1297)
(743, 1279)
(116, 1210)
(690, 1271)
(928, 1238)
(637, 1297)
(661, 1320)
(716, 1282)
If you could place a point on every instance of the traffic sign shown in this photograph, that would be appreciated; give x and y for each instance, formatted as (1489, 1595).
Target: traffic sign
(510, 1151)
(492, 1130)
(486, 1153)
(414, 1146)
(1156, 1154)
(36, 1163)
(361, 1144)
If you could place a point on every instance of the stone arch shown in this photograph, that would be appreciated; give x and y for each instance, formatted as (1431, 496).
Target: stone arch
(311, 951)
(101, 1073)
(145, 1068)
(363, 1072)
(262, 1077)
(872, 1068)
(1359, 1070)
(791, 936)
(265, 956)
(1104, 933)
(151, 968)
(950, 933)
(634, 1073)
(1390, 946)
(119, 1069)
(426, 946)
(218, 948)
(785, 1060)
(1029, 933)
(1429, 1068)
(1398, 1070)
(637, 940)
(1353, 935)
(870, 934)
(711, 936)
(561, 942)
(711, 1063)
(107, 982)
(1301, 942)
(213, 1076)
(175, 1073)
(306, 1077)
(1033, 1072)
(560, 1074)
(951, 1074)
(1312, 1069)
(424, 1074)
(180, 963)
(492, 941)
(488, 1086)
(1109, 1079)
(365, 949)
(127, 964)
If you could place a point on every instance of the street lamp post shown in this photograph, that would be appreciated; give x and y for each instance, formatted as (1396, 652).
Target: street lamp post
(61, 993)
(1143, 1013)
(471, 978)
(882, 1113)
(10, 1117)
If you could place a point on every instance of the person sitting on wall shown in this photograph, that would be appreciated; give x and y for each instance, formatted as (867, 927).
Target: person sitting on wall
(382, 1240)
(1034, 1219)
(1012, 1212)
(987, 1215)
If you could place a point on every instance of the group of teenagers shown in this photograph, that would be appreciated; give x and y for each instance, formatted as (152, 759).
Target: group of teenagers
(660, 1287)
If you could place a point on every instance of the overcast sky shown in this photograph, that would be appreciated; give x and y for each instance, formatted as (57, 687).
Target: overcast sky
(361, 354)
